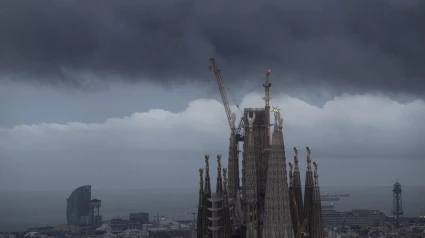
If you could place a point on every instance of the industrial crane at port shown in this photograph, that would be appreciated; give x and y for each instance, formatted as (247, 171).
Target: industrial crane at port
(239, 130)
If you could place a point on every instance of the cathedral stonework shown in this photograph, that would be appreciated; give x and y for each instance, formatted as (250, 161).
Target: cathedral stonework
(269, 203)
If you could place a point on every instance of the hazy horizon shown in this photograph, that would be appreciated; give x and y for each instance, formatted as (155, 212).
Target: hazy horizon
(191, 189)
(48, 208)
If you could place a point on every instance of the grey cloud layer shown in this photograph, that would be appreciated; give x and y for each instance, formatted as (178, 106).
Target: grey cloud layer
(373, 45)
(361, 126)
(351, 134)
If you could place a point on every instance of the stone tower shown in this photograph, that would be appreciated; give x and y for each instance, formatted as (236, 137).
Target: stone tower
(317, 227)
(264, 204)
(201, 227)
(207, 196)
(233, 168)
(226, 230)
(214, 210)
(292, 201)
(297, 190)
(250, 185)
(216, 205)
(277, 215)
(308, 193)
(219, 185)
(207, 188)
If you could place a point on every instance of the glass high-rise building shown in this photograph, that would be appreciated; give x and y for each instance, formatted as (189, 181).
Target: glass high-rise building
(78, 206)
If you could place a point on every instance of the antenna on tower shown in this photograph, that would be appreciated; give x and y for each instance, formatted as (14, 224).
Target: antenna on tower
(266, 98)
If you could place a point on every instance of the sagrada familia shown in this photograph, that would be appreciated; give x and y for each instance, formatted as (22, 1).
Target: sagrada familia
(269, 202)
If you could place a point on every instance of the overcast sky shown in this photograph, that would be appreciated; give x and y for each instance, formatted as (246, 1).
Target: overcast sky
(119, 95)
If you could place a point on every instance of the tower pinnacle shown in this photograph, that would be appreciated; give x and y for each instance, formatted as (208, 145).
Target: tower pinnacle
(316, 175)
(219, 185)
(308, 193)
(317, 228)
(267, 86)
(201, 186)
(297, 168)
(251, 195)
(277, 212)
(298, 194)
(202, 221)
(308, 158)
(207, 189)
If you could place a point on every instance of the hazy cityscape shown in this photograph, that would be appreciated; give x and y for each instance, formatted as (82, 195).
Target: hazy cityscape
(32, 209)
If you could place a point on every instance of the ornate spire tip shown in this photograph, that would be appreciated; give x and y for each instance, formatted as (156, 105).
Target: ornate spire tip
(219, 163)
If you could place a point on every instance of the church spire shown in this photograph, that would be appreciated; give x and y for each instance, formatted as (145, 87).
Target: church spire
(297, 186)
(207, 189)
(277, 214)
(226, 216)
(233, 167)
(219, 185)
(202, 209)
(290, 174)
(308, 193)
(201, 187)
(292, 201)
(316, 196)
(207, 196)
(250, 165)
(317, 227)
(226, 202)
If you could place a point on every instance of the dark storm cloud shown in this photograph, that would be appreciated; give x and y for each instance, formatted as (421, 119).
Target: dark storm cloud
(373, 45)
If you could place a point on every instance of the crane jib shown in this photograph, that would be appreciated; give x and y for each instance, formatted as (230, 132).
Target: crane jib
(222, 90)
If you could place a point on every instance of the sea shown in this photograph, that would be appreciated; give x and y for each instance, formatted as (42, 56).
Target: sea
(22, 210)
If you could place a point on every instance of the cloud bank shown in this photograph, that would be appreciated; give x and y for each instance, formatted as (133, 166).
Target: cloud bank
(358, 45)
(361, 126)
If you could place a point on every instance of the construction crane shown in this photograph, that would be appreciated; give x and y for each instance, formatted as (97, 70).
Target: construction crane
(239, 131)
(221, 88)
(267, 109)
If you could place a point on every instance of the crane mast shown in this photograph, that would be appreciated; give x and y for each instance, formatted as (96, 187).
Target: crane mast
(222, 90)
(267, 86)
